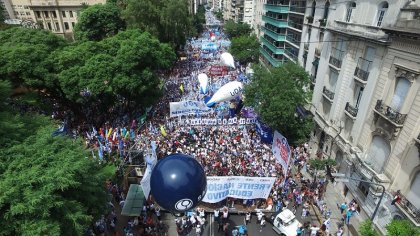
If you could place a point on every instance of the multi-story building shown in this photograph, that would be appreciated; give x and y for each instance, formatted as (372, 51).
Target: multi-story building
(257, 19)
(248, 12)
(282, 28)
(58, 16)
(7, 9)
(364, 62)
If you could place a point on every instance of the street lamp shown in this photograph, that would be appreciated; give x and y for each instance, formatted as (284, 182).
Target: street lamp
(344, 178)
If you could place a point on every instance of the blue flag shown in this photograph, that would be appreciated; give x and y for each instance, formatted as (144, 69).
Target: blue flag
(265, 132)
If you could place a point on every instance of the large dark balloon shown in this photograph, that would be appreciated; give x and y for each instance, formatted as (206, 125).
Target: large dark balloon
(178, 183)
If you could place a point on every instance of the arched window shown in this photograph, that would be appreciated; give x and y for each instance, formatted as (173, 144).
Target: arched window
(378, 153)
(351, 6)
(414, 194)
(326, 10)
(382, 8)
(313, 9)
(400, 93)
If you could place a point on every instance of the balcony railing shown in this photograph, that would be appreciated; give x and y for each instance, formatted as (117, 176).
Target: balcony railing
(351, 109)
(328, 93)
(410, 209)
(322, 22)
(336, 57)
(276, 22)
(386, 111)
(292, 40)
(310, 19)
(362, 69)
(299, 9)
(306, 46)
(276, 36)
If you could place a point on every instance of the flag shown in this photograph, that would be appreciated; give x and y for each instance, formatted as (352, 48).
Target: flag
(142, 118)
(100, 151)
(163, 131)
(62, 130)
(181, 88)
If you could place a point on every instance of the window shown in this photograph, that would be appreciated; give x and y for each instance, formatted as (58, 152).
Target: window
(378, 153)
(383, 7)
(63, 13)
(358, 95)
(71, 13)
(414, 194)
(49, 26)
(46, 15)
(326, 10)
(350, 8)
(400, 93)
(54, 14)
(28, 13)
(72, 24)
(313, 9)
(333, 80)
(66, 26)
(57, 26)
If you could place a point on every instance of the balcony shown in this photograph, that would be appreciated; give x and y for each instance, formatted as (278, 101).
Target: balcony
(276, 8)
(292, 40)
(298, 9)
(362, 69)
(359, 31)
(271, 46)
(274, 62)
(351, 110)
(291, 54)
(390, 114)
(410, 210)
(336, 57)
(322, 22)
(276, 36)
(306, 46)
(276, 22)
(310, 19)
(328, 94)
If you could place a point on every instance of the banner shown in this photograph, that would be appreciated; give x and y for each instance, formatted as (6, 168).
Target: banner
(214, 121)
(187, 108)
(281, 151)
(265, 132)
(242, 187)
(216, 70)
(145, 181)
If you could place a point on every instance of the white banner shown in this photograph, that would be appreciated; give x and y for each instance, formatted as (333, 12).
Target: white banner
(145, 182)
(205, 121)
(188, 108)
(242, 187)
(281, 151)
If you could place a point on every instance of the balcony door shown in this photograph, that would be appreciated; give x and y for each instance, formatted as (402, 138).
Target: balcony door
(414, 194)
(400, 93)
(358, 95)
(378, 153)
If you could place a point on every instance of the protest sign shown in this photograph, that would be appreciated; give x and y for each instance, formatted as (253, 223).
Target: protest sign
(188, 108)
(281, 151)
(242, 187)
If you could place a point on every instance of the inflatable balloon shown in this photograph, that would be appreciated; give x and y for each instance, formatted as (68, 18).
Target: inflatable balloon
(227, 59)
(203, 80)
(178, 183)
(227, 92)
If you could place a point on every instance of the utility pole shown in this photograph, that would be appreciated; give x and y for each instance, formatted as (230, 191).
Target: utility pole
(345, 179)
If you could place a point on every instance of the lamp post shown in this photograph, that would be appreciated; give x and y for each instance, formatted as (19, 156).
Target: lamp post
(344, 178)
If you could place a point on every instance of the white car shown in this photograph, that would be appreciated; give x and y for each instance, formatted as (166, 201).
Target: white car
(285, 223)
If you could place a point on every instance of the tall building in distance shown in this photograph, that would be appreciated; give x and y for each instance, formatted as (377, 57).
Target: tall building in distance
(58, 16)
(282, 25)
(364, 62)
(7, 9)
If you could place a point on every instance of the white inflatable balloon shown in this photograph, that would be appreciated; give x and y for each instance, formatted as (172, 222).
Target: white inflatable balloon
(203, 80)
(227, 59)
(227, 92)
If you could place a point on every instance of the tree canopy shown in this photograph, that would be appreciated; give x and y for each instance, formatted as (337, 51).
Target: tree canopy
(48, 185)
(401, 228)
(119, 69)
(99, 21)
(234, 29)
(168, 20)
(245, 49)
(276, 94)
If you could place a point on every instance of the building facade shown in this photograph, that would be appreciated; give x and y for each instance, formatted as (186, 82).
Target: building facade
(282, 25)
(257, 18)
(365, 67)
(58, 16)
(7, 9)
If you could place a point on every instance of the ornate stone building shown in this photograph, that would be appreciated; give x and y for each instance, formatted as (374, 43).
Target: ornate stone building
(364, 61)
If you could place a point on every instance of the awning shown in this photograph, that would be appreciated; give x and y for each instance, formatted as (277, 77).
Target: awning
(134, 201)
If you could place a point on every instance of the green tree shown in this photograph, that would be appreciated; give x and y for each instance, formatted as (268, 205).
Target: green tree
(402, 228)
(121, 67)
(245, 49)
(366, 229)
(23, 56)
(99, 21)
(275, 96)
(199, 19)
(48, 185)
(219, 15)
(234, 29)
